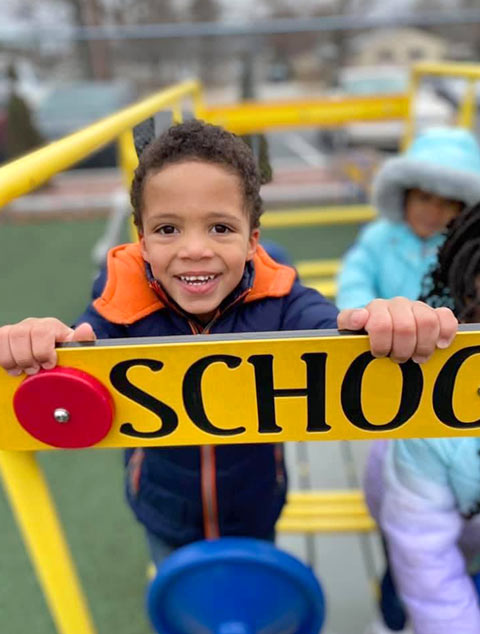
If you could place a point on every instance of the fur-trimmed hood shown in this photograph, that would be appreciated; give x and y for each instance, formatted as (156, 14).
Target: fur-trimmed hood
(442, 161)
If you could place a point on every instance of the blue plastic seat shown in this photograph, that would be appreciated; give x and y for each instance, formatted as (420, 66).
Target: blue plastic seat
(235, 586)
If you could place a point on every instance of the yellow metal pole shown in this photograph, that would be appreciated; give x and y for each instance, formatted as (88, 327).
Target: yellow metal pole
(128, 162)
(127, 156)
(453, 69)
(177, 114)
(198, 101)
(317, 268)
(26, 173)
(410, 118)
(466, 116)
(318, 216)
(43, 536)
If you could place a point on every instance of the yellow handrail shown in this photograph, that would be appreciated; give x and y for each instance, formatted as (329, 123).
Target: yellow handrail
(350, 214)
(28, 172)
(466, 70)
(469, 72)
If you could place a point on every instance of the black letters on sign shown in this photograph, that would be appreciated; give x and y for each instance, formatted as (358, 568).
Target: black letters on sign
(119, 380)
(444, 386)
(351, 394)
(192, 393)
(266, 393)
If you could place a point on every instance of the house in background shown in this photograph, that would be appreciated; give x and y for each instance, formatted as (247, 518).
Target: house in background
(397, 47)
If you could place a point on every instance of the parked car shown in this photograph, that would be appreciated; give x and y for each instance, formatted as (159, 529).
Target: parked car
(70, 107)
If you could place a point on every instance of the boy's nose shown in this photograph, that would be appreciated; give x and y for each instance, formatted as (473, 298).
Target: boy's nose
(195, 248)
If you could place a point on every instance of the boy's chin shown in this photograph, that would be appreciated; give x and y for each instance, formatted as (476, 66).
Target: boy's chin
(202, 314)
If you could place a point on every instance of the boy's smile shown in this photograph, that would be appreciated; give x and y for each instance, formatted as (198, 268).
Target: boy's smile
(196, 233)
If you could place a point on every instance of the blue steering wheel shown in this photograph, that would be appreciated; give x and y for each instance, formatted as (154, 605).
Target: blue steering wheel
(235, 586)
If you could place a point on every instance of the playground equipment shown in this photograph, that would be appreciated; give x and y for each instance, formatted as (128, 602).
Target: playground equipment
(436, 400)
(235, 586)
(305, 379)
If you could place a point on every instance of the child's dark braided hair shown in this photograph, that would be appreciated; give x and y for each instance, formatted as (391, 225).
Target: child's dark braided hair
(452, 282)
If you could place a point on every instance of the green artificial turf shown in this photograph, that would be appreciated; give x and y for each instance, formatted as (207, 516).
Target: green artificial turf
(46, 269)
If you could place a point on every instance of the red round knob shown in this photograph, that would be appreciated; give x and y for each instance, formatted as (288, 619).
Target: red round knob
(64, 407)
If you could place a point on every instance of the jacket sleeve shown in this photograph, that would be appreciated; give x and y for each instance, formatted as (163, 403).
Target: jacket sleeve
(103, 328)
(307, 309)
(357, 280)
(422, 526)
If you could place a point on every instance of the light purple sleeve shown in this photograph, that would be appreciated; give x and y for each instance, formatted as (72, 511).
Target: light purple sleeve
(373, 478)
(421, 523)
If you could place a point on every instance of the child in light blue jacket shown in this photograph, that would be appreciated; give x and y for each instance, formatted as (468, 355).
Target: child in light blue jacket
(425, 492)
(416, 194)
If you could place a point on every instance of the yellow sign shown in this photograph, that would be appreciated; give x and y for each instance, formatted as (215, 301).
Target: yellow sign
(276, 387)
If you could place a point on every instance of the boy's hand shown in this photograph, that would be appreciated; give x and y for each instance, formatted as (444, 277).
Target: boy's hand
(30, 344)
(401, 328)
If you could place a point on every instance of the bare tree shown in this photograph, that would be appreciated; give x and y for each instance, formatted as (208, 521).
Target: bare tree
(157, 60)
(467, 34)
(331, 49)
(94, 55)
(206, 50)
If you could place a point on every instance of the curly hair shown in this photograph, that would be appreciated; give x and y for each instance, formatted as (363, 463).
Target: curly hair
(452, 282)
(199, 141)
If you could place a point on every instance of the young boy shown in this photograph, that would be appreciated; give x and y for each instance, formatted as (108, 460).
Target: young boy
(198, 268)
(417, 194)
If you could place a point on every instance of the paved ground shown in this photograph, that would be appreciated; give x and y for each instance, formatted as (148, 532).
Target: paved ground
(78, 191)
(339, 560)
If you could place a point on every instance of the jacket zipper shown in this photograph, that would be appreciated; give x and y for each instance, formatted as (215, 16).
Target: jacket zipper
(208, 474)
(208, 470)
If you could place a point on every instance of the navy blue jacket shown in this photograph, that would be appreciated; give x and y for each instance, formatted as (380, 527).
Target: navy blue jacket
(189, 493)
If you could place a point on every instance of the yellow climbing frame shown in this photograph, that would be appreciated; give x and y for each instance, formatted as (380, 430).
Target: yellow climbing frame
(244, 368)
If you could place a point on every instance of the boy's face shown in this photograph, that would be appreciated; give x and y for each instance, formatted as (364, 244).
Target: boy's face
(196, 233)
(428, 214)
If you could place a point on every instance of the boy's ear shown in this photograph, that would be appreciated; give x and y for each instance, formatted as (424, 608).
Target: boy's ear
(252, 243)
(145, 256)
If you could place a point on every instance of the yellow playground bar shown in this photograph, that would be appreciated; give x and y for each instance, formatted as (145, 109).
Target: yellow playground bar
(226, 361)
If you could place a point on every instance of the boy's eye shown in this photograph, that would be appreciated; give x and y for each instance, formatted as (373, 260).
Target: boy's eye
(219, 228)
(165, 230)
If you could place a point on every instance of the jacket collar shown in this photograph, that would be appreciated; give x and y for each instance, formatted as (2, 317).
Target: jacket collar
(131, 292)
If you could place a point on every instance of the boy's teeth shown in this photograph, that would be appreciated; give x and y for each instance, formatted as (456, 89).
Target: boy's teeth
(196, 279)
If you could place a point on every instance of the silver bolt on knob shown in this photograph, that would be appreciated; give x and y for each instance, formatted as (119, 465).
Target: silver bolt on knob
(61, 415)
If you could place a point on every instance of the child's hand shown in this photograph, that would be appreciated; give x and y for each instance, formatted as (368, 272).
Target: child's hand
(401, 328)
(30, 344)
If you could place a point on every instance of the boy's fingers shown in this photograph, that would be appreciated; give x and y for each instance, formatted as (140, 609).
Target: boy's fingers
(6, 358)
(45, 333)
(448, 327)
(352, 319)
(19, 337)
(44, 338)
(30, 344)
(404, 330)
(428, 330)
(380, 328)
(83, 332)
